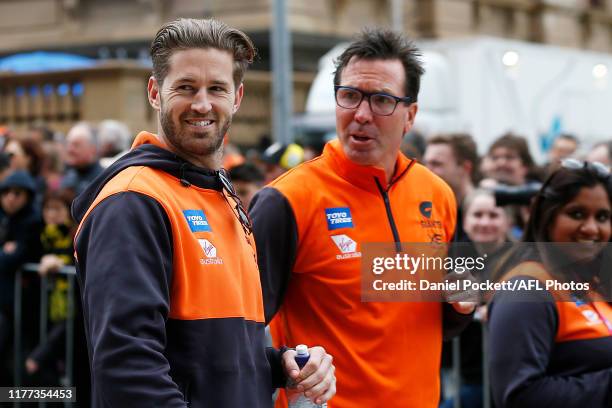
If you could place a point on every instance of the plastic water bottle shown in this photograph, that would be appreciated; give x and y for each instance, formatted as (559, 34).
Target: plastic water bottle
(298, 400)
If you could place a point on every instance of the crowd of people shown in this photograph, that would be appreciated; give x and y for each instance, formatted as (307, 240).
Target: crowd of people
(187, 247)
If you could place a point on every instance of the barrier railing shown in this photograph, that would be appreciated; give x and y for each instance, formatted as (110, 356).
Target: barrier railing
(70, 273)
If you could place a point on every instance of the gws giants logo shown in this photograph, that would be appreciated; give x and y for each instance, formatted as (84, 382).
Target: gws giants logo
(210, 253)
(347, 246)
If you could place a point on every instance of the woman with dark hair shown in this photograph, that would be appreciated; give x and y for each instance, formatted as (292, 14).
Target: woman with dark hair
(552, 347)
(28, 155)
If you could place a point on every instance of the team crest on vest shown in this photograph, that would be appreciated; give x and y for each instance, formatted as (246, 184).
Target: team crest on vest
(210, 253)
(196, 219)
(338, 217)
(347, 246)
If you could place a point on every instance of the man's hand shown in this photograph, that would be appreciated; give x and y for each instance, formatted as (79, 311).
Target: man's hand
(316, 379)
(464, 307)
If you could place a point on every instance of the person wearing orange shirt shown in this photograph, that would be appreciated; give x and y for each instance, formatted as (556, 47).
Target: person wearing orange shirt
(310, 225)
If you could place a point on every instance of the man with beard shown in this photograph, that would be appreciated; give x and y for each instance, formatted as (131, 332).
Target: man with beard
(165, 254)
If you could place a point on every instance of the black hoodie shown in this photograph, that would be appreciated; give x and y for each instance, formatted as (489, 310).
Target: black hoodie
(140, 356)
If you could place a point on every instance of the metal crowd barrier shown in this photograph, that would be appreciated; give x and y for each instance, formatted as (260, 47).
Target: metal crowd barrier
(456, 370)
(70, 273)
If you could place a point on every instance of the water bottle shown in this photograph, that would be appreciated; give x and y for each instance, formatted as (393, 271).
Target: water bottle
(298, 400)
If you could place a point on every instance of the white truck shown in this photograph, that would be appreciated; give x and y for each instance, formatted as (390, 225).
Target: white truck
(488, 86)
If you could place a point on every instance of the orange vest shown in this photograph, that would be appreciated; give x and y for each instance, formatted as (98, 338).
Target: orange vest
(386, 354)
(215, 273)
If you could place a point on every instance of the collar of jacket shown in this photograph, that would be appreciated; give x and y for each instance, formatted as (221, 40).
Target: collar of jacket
(363, 176)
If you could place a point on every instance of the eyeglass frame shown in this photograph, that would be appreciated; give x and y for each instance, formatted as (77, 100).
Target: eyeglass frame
(241, 214)
(364, 94)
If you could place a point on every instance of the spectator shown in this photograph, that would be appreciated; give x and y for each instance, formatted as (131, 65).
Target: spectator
(510, 161)
(28, 155)
(602, 153)
(555, 350)
(565, 145)
(247, 180)
(454, 157)
(279, 158)
(20, 226)
(82, 157)
(487, 227)
(114, 140)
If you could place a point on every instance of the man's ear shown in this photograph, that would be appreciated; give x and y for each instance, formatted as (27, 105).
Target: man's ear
(153, 93)
(238, 98)
(410, 115)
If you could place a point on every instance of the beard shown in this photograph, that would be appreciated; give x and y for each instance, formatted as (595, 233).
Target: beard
(205, 143)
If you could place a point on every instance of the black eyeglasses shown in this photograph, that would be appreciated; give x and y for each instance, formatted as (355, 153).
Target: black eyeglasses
(380, 103)
(241, 213)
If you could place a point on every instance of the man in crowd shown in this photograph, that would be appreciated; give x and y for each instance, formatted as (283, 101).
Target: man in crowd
(81, 157)
(510, 162)
(565, 145)
(247, 180)
(454, 157)
(602, 153)
(310, 225)
(165, 255)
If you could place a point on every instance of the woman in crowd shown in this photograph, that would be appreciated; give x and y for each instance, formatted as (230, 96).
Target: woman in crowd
(555, 350)
(487, 226)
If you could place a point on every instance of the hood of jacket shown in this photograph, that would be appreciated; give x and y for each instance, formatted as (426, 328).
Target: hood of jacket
(149, 151)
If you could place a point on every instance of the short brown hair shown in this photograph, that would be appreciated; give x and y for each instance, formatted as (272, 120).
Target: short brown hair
(463, 147)
(187, 33)
(516, 143)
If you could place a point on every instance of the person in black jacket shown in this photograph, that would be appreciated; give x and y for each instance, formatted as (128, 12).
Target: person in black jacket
(20, 226)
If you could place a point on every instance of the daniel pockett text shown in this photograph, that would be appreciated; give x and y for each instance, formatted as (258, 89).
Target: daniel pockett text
(446, 272)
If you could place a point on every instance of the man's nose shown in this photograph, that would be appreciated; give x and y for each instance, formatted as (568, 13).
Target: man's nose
(201, 102)
(363, 114)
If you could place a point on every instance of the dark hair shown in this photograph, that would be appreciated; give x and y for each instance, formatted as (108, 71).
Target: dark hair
(35, 152)
(187, 33)
(463, 146)
(517, 144)
(561, 187)
(246, 172)
(384, 44)
(570, 137)
(65, 195)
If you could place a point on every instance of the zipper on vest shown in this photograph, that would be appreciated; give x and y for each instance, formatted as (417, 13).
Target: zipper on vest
(385, 196)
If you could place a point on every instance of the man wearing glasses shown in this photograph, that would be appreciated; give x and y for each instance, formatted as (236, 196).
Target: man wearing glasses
(310, 225)
(165, 255)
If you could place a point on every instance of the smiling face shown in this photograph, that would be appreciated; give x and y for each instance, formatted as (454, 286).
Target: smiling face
(585, 220)
(485, 222)
(366, 138)
(196, 103)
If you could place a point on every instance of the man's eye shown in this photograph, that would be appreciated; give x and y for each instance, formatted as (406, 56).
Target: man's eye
(218, 89)
(185, 88)
(382, 100)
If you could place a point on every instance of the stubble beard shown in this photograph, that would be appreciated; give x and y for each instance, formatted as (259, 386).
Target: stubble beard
(177, 138)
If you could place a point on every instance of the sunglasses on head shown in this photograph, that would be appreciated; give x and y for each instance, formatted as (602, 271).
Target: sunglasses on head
(240, 212)
(574, 164)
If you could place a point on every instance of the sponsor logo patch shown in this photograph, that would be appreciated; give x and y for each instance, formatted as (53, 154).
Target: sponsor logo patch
(425, 209)
(210, 253)
(346, 245)
(339, 217)
(197, 221)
